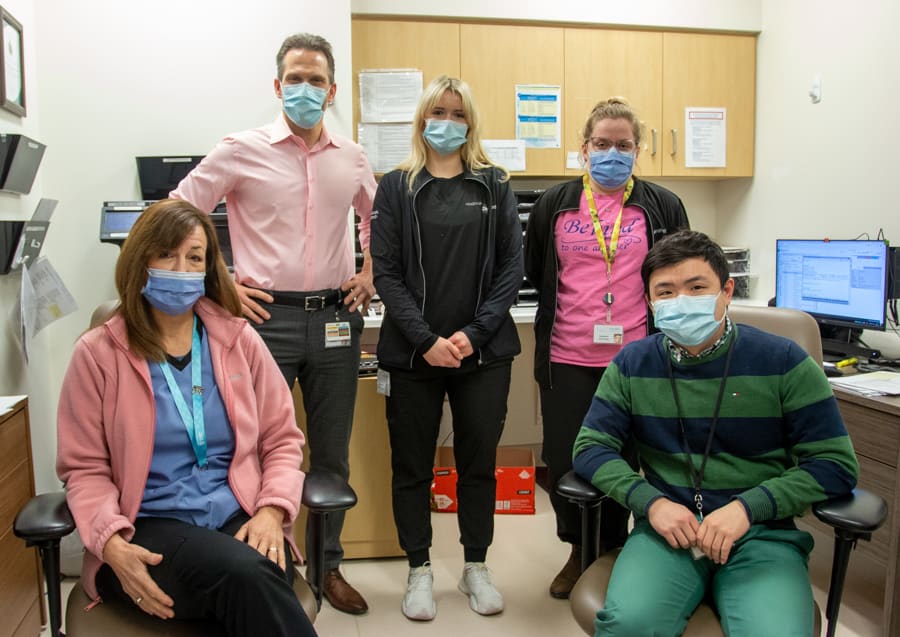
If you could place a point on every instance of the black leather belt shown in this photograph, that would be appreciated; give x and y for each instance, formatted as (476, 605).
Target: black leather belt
(309, 302)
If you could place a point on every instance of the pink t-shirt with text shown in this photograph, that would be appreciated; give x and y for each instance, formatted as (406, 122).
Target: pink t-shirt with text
(582, 281)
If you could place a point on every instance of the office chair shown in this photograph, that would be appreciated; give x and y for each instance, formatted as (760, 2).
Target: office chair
(853, 517)
(46, 519)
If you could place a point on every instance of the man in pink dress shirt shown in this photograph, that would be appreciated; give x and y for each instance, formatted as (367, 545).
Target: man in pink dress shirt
(288, 188)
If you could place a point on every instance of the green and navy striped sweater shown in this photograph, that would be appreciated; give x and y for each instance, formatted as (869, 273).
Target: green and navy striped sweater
(780, 444)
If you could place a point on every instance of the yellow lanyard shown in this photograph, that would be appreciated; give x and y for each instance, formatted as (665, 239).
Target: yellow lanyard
(609, 254)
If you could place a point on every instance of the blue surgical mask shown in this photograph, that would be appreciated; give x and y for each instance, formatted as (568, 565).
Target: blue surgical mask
(445, 135)
(174, 292)
(303, 103)
(687, 320)
(610, 168)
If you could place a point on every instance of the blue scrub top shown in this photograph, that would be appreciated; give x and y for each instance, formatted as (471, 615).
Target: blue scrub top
(176, 487)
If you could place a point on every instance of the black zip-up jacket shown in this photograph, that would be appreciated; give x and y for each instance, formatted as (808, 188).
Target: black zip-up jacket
(663, 212)
(400, 280)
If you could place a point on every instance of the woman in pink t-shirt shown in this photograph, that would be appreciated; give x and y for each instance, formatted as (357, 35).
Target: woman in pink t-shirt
(591, 299)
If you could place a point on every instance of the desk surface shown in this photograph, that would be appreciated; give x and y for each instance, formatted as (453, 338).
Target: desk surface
(887, 404)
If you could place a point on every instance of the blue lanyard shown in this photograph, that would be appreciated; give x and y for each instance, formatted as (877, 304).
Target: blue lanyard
(196, 429)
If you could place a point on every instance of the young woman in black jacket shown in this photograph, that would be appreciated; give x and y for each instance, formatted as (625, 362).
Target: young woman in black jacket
(447, 256)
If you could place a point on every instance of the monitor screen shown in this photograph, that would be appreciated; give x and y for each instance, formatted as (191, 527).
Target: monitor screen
(841, 283)
(117, 217)
(160, 175)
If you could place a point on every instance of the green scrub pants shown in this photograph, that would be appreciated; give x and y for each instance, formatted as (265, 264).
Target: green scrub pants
(763, 589)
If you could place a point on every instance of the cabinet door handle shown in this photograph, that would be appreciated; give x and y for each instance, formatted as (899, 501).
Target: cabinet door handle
(653, 132)
(674, 142)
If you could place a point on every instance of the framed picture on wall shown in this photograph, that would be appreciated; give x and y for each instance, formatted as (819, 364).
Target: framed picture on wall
(12, 64)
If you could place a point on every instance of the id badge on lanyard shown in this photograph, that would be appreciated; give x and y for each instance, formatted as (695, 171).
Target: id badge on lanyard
(608, 333)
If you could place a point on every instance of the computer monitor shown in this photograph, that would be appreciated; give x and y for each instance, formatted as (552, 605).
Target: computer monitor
(840, 283)
(158, 176)
(116, 219)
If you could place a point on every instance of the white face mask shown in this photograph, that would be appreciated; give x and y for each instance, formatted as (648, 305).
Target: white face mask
(687, 320)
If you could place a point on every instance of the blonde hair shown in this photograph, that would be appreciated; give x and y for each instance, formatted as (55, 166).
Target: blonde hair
(612, 108)
(472, 154)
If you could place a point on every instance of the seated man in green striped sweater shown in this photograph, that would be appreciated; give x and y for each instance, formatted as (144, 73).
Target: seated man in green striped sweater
(738, 432)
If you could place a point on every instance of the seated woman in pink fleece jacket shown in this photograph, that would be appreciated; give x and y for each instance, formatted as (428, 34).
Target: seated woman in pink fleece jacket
(178, 444)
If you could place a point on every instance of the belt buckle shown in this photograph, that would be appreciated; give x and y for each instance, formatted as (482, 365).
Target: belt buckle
(313, 303)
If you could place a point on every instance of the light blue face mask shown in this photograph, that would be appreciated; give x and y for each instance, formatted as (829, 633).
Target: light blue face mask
(303, 103)
(445, 135)
(687, 320)
(174, 292)
(611, 168)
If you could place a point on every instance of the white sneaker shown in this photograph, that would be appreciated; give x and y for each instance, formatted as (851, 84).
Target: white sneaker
(418, 603)
(476, 582)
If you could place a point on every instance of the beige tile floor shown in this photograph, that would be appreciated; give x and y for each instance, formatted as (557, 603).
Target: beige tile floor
(524, 558)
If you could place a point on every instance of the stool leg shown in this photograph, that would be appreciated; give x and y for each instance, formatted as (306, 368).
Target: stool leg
(844, 544)
(50, 557)
(590, 528)
(316, 560)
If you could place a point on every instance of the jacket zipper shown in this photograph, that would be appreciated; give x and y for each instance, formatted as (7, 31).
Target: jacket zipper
(486, 246)
(412, 354)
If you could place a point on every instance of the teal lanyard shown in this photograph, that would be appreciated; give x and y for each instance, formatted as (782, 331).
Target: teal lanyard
(196, 429)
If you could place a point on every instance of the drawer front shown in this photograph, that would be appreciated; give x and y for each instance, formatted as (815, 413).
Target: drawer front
(13, 442)
(875, 434)
(31, 624)
(19, 584)
(15, 491)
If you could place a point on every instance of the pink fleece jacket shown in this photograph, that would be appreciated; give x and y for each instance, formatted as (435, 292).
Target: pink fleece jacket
(106, 423)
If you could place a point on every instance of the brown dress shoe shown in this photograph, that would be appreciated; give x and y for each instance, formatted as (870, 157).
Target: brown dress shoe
(564, 581)
(341, 595)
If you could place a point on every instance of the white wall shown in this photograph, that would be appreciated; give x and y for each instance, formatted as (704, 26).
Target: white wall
(827, 169)
(16, 377)
(119, 79)
(728, 15)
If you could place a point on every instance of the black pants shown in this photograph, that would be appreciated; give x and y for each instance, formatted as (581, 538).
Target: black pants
(328, 379)
(478, 404)
(563, 409)
(211, 575)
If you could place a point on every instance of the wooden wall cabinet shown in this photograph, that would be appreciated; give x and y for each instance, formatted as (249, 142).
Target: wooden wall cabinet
(21, 589)
(660, 73)
(431, 47)
(493, 59)
(709, 70)
(605, 63)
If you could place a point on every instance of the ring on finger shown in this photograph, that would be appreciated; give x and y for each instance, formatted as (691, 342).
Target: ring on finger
(138, 599)
(273, 549)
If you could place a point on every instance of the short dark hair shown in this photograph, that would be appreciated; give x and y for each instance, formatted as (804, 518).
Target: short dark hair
(309, 42)
(681, 246)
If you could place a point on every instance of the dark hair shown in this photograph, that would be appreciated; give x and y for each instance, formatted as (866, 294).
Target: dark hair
(681, 246)
(163, 226)
(309, 42)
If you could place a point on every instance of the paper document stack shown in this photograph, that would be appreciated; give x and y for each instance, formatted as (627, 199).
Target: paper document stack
(872, 384)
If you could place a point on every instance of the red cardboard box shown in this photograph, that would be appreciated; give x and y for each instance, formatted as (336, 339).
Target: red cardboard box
(515, 481)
